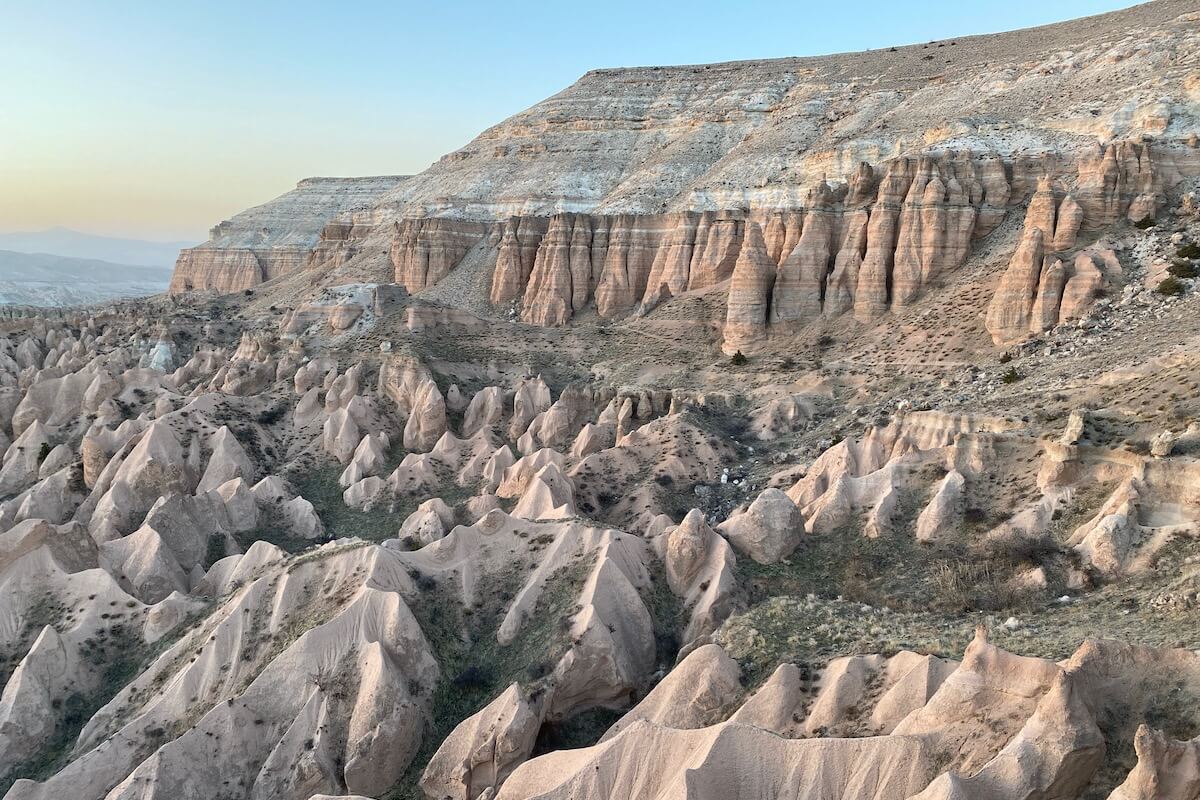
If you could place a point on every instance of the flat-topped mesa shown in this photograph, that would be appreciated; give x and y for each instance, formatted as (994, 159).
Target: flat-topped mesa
(758, 133)
(275, 238)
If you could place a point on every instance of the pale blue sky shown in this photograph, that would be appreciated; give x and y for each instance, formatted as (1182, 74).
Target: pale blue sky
(159, 119)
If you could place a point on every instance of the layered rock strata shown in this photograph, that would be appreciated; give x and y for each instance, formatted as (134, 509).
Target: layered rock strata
(275, 238)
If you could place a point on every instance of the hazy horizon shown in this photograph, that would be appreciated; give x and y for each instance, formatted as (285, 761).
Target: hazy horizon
(68, 229)
(207, 109)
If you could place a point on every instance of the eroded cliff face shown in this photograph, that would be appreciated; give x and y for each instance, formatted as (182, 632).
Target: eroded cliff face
(232, 269)
(1047, 282)
(867, 247)
(424, 251)
(277, 237)
(633, 187)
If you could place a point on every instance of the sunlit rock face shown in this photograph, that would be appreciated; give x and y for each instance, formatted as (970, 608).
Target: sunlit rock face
(274, 238)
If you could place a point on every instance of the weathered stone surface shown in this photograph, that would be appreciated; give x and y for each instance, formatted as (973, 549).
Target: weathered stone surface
(768, 530)
(274, 238)
(749, 293)
(427, 421)
(1009, 314)
(425, 250)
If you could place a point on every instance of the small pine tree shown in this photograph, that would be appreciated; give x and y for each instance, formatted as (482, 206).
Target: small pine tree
(738, 359)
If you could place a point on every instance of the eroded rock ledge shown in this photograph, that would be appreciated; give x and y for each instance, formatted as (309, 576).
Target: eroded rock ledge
(274, 238)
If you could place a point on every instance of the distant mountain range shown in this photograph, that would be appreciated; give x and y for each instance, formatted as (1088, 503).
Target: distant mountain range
(73, 244)
(40, 279)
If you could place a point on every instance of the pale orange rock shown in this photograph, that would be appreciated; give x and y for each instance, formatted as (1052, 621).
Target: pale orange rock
(1109, 183)
(427, 422)
(749, 293)
(871, 296)
(936, 225)
(1167, 769)
(1081, 288)
(800, 279)
(1067, 223)
(718, 240)
(425, 250)
(1044, 314)
(1008, 314)
(629, 258)
(520, 238)
(559, 281)
(843, 280)
(1043, 209)
(672, 267)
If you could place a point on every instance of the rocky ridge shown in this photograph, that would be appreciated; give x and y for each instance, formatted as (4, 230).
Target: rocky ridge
(275, 238)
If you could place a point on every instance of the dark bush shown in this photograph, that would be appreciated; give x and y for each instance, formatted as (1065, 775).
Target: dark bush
(1171, 287)
(1012, 376)
(1144, 223)
(1183, 269)
(1189, 250)
(738, 359)
(538, 669)
(271, 415)
(473, 678)
(215, 550)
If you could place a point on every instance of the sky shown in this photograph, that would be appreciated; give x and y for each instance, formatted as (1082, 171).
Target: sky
(159, 119)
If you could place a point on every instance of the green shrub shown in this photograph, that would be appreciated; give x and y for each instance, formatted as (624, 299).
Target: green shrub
(1144, 223)
(738, 359)
(1183, 269)
(1171, 287)
(215, 550)
(1012, 376)
(1189, 250)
